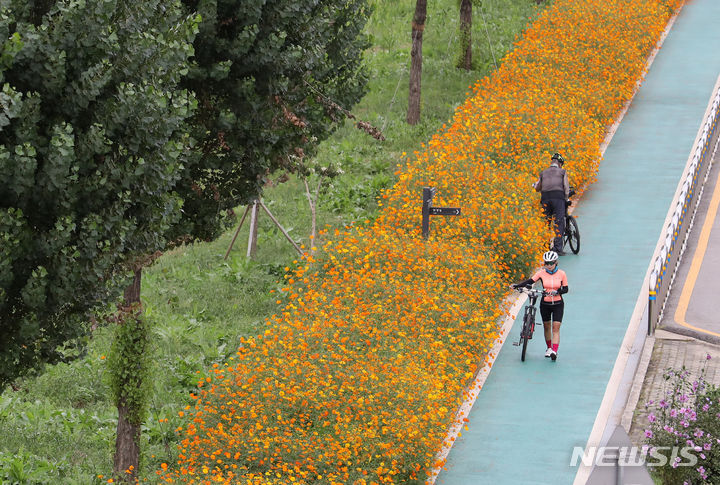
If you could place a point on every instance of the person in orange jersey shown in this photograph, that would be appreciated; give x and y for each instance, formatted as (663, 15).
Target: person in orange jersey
(554, 188)
(552, 306)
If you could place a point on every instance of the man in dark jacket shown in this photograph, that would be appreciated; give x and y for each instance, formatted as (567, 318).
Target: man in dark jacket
(554, 188)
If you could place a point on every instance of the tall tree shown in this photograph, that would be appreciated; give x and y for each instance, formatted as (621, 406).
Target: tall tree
(271, 78)
(91, 149)
(465, 61)
(96, 164)
(418, 26)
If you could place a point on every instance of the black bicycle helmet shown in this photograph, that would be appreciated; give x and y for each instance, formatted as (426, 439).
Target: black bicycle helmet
(558, 157)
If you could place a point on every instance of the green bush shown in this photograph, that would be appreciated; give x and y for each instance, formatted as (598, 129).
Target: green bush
(687, 417)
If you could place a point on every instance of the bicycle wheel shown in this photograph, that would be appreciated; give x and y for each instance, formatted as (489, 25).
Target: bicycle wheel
(524, 337)
(572, 234)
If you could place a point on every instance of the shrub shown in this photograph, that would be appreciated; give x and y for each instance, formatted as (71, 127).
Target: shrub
(687, 416)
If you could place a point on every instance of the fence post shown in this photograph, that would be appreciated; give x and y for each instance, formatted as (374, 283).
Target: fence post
(651, 310)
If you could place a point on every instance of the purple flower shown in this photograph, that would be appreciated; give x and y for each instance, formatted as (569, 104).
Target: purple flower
(663, 404)
(708, 357)
(673, 412)
(706, 407)
(669, 429)
(698, 433)
(701, 471)
(682, 398)
(707, 446)
(652, 418)
(702, 455)
(648, 433)
(676, 462)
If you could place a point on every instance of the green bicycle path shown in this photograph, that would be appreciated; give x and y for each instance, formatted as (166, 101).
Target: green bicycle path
(529, 416)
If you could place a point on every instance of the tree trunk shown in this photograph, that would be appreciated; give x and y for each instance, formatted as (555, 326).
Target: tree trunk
(127, 445)
(465, 61)
(132, 292)
(127, 438)
(418, 26)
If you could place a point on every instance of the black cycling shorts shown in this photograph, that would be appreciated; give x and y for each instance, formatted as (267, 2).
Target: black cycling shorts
(552, 311)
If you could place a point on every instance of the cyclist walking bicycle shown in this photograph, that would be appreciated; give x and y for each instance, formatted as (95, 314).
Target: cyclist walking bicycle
(552, 306)
(554, 188)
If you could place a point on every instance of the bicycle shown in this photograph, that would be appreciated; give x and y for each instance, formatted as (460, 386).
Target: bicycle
(526, 332)
(571, 236)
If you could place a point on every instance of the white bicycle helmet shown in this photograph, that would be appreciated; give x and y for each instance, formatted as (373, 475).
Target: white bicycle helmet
(550, 257)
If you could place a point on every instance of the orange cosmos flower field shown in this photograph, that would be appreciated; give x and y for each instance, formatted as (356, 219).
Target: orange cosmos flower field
(357, 379)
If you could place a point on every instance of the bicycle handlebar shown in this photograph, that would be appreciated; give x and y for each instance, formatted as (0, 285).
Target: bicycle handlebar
(533, 291)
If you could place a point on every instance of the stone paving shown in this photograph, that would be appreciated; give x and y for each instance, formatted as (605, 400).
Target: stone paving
(672, 351)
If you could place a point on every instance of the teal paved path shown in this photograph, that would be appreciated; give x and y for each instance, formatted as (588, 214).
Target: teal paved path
(529, 416)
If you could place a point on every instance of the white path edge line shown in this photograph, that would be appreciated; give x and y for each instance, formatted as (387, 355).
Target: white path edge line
(481, 376)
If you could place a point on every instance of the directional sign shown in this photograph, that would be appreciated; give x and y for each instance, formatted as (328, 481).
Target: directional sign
(428, 210)
(444, 211)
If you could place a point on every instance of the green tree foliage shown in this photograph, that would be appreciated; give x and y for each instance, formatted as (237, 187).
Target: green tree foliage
(266, 74)
(93, 157)
(91, 148)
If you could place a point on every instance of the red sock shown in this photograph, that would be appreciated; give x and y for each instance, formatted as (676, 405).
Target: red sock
(555, 347)
(548, 343)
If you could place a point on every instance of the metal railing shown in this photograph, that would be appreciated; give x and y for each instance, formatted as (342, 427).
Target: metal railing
(685, 205)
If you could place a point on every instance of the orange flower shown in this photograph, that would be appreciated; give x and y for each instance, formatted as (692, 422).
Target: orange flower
(357, 377)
